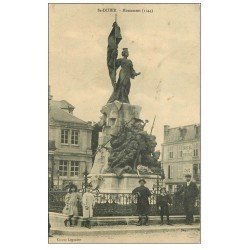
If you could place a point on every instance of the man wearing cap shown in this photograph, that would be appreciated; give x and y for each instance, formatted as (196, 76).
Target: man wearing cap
(190, 191)
(143, 194)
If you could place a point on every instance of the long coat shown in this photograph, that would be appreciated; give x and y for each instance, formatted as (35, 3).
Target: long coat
(88, 203)
(143, 194)
(190, 192)
(71, 200)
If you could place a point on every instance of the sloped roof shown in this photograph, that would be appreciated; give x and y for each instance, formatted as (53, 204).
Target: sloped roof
(62, 104)
(57, 113)
(186, 133)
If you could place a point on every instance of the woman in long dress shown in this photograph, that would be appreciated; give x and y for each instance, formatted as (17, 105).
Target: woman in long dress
(122, 87)
(71, 200)
(88, 203)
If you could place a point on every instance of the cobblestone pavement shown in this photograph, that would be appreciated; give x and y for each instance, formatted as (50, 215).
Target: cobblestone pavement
(179, 236)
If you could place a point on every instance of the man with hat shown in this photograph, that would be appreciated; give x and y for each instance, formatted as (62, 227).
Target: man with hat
(143, 194)
(190, 191)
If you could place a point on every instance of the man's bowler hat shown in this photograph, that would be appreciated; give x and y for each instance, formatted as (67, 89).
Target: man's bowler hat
(142, 180)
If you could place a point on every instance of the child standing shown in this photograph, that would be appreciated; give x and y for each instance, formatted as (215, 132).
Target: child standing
(163, 201)
(70, 208)
(88, 203)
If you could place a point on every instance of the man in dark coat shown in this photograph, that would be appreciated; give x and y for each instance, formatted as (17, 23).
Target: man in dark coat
(143, 194)
(190, 191)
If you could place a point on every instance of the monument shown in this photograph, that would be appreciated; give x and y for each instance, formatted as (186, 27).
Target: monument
(125, 151)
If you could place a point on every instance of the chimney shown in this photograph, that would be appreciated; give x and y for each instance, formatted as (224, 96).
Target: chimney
(166, 128)
(166, 131)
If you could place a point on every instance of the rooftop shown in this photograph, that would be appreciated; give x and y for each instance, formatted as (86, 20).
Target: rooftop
(58, 112)
(183, 133)
(62, 104)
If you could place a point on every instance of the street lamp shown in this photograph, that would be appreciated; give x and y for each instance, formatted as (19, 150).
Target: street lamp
(157, 184)
(58, 177)
(85, 178)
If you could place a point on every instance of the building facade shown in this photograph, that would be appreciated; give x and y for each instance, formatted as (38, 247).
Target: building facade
(181, 154)
(71, 156)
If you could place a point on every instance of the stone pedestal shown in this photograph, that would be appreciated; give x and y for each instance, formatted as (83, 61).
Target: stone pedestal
(114, 115)
(112, 184)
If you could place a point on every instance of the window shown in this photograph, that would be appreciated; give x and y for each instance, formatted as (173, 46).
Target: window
(180, 154)
(63, 168)
(196, 152)
(74, 137)
(64, 136)
(171, 155)
(196, 149)
(170, 172)
(74, 168)
(196, 130)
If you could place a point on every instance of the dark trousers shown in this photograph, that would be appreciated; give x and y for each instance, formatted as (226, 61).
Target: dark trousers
(189, 211)
(143, 211)
(164, 211)
(143, 219)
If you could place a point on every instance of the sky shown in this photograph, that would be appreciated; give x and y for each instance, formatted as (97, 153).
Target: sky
(164, 45)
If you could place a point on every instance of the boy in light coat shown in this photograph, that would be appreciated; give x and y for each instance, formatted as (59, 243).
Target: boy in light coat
(88, 203)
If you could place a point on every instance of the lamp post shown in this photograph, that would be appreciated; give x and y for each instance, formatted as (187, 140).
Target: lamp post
(58, 178)
(157, 184)
(85, 178)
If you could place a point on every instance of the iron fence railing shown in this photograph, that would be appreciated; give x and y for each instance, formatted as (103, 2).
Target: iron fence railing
(118, 204)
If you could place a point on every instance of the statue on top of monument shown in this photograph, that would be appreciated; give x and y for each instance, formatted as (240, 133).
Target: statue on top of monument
(122, 86)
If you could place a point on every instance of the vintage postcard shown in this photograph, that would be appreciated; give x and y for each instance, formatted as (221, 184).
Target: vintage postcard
(124, 123)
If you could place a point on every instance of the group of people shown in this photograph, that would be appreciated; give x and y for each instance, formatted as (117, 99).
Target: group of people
(71, 209)
(163, 201)
(190, 192)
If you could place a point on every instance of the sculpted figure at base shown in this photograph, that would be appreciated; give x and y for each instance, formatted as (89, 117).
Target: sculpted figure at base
(132, 147)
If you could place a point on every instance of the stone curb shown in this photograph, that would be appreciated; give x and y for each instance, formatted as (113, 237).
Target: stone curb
(121, 230)
(57, 220)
